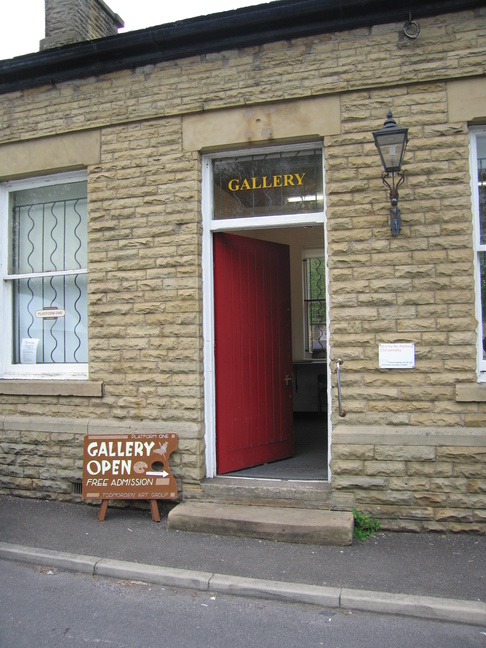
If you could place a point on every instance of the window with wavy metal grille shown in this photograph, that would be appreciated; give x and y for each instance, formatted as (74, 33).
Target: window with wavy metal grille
(47, 274)
(268, 184)
(315, 305)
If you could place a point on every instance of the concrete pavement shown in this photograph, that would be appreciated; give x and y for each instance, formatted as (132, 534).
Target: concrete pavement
(434, 576)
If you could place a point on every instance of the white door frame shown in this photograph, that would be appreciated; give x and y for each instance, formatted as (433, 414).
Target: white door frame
(228, 225)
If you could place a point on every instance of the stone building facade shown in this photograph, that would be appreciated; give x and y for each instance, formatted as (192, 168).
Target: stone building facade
(143, 134)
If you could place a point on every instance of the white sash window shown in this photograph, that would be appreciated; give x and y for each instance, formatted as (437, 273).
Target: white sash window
(478, 186)
(44, 277)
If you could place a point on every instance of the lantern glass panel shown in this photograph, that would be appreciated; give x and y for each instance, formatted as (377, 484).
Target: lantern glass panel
(391, 147)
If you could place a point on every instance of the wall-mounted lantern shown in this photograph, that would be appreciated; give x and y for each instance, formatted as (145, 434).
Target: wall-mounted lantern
(391, 142)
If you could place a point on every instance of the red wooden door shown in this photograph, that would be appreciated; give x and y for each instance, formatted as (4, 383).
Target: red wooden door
(253, 352)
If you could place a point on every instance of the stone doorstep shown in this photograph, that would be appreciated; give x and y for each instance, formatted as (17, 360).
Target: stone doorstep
(272, 492)
(301, 526)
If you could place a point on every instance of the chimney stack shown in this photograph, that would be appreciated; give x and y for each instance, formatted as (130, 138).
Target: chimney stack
(73, 21)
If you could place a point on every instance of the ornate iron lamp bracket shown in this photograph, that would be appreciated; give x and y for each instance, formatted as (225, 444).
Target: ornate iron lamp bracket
(395, 220)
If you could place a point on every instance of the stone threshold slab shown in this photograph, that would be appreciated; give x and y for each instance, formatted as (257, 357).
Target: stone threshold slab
(304, 526)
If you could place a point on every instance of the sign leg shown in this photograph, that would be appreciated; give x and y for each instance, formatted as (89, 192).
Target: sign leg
(102, 512)
(154, 509)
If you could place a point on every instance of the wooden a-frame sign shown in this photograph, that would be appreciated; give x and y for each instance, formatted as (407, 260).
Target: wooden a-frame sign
(129, 466)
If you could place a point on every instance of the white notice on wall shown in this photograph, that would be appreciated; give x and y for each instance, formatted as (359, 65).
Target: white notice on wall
(397, 356)
(28, 350)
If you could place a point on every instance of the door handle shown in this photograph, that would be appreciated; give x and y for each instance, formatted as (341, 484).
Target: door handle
(339, 362)
(288, 380)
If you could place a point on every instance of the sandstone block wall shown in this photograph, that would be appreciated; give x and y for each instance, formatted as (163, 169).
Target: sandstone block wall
(42, 456)
(417, 287)
(416, 483)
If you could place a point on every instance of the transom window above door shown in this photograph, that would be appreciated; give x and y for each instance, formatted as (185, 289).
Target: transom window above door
(280, 182)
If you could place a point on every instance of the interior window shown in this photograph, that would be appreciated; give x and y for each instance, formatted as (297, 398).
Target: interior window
(315, 305)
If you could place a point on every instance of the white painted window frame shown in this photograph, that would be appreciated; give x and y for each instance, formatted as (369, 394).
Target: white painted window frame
(477, 246)
(311, 253)
(211, 225)
(8, 370)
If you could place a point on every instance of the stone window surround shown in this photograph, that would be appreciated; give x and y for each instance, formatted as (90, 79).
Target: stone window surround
(39, 157)
(466, 99)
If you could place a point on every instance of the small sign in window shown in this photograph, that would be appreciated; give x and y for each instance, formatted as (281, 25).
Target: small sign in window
(28, 350)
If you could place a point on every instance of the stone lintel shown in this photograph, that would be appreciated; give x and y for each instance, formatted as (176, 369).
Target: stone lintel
(50, 154)
(286, 120)
(466, 99)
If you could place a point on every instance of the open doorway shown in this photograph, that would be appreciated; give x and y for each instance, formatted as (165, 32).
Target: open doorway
(274, 195)
(309, 455)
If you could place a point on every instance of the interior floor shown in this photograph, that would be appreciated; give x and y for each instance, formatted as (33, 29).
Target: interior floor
(310, 453)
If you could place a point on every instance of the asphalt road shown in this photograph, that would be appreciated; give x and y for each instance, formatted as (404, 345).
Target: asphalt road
(48, 608)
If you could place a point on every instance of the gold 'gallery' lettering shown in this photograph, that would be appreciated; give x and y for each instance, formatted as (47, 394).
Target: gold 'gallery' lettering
(267, 182)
